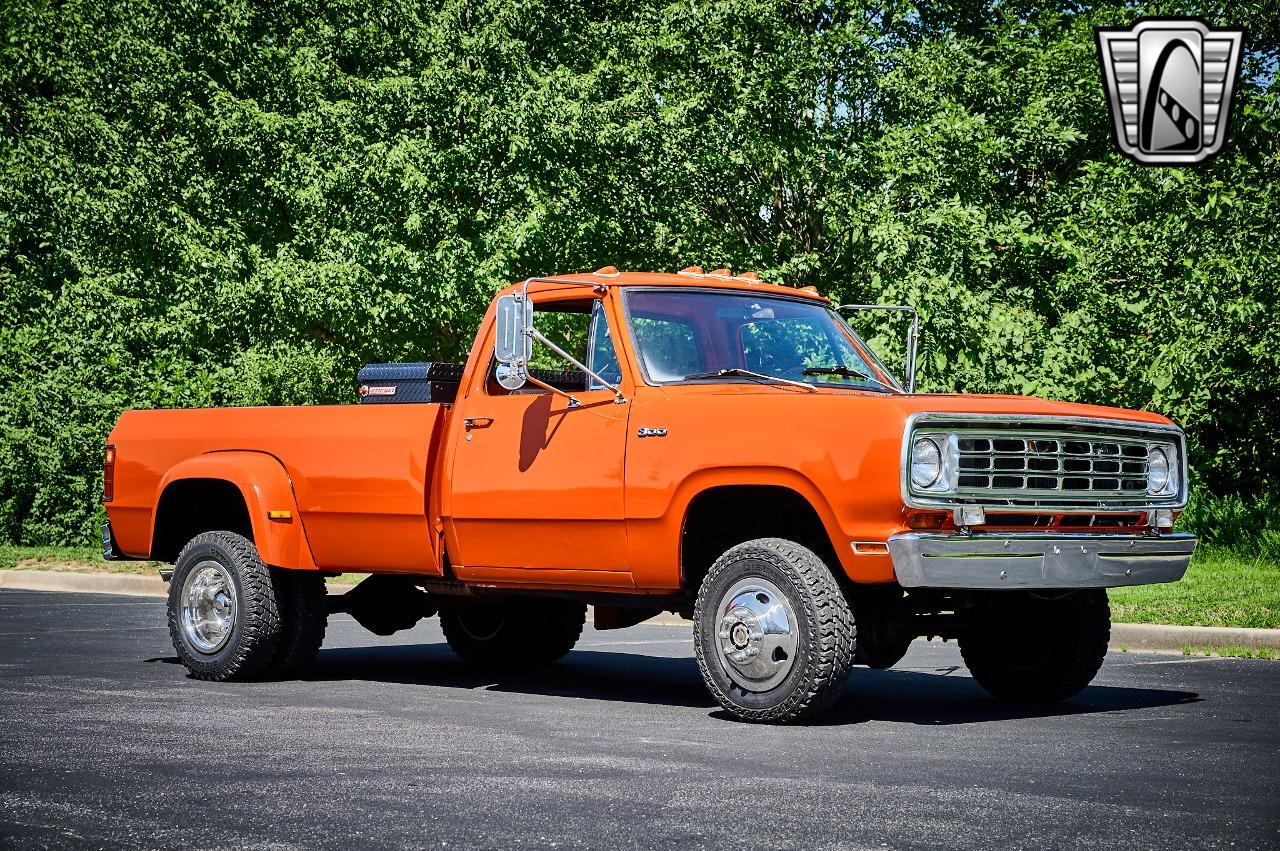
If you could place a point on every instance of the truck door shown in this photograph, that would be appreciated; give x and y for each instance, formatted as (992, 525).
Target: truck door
(536, 484)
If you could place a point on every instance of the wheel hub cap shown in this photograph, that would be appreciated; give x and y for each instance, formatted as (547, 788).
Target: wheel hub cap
(208, 607)
(756, 634)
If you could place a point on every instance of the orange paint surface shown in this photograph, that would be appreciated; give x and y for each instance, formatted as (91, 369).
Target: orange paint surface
(356, 476)
(536, 493)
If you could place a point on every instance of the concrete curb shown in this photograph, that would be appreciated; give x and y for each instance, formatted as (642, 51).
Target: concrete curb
(1130, 636)
(1154, 636)
(97, 583)
(84, 583)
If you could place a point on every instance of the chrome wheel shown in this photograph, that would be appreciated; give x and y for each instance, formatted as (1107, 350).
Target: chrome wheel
(756, 634)
(208, 606)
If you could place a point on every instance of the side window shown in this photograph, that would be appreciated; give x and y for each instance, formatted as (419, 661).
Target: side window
(602, 355)
(566, 326)
(579, 328)
(669, 346)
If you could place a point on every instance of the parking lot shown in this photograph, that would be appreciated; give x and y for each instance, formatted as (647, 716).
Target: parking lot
(104, 741)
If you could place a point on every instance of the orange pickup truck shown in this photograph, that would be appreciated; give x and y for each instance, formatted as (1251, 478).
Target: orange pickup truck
(702, 443)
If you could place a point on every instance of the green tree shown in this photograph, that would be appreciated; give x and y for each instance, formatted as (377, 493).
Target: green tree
(239, 203)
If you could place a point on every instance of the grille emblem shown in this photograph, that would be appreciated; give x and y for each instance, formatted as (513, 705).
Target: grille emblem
(1170, 83)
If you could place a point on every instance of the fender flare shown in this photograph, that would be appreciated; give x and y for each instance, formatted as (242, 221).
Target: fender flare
(672, 520)
(265, 485)
(704, 480)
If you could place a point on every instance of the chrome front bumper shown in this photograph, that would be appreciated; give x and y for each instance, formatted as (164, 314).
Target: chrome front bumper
(986, 561)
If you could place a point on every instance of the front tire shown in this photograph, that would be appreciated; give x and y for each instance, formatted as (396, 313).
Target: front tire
(513, 633)
(1034, 649)
(224, 613)
(773, 633)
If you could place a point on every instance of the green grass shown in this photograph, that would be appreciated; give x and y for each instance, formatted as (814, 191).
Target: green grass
(11, 555)
(1222, 588)
(71, 559)
(1232, 652)
(89, 560)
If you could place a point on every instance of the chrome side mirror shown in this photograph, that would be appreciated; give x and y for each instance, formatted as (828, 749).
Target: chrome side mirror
(513, 341)
(513, 347)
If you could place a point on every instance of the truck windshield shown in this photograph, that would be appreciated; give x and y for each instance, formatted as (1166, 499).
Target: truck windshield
(700, 335)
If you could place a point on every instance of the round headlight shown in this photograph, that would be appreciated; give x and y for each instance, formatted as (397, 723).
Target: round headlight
(1157, 470)
(926, 462)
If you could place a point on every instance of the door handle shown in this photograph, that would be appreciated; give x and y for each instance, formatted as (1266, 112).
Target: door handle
(477, 422)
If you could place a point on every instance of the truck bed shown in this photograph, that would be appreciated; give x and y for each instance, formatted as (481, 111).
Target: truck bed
(360, 474)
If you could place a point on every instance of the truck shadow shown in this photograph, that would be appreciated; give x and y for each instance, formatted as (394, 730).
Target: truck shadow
(947, 695)
(930, 696)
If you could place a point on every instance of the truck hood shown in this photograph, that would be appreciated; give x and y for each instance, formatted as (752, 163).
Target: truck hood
(845, 403)
(958, 403)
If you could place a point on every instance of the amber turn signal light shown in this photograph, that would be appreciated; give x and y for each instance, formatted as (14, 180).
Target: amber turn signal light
(926, 519)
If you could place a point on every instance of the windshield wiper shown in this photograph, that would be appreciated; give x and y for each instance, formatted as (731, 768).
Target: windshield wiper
(746, 373)
(846, 372)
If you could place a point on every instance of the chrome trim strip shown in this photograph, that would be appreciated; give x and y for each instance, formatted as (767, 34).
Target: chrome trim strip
(988, 561)
(1067, 504)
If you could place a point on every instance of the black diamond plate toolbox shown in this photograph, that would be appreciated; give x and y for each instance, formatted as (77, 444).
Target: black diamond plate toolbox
(407, 383)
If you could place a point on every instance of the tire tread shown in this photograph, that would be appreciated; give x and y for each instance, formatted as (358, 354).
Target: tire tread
(259, 615)
(304, 619)
(825, 607)
(536, 632)
(1082, 632)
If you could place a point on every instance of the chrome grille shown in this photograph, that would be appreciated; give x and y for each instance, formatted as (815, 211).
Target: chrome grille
(1011, 464)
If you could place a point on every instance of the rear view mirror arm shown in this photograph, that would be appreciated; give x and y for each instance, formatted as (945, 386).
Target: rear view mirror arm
(573, 400)
(541, 338)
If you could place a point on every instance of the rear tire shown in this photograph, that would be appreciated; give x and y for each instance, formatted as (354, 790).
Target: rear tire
(304, 617)
(773, 633)
(224, 615)
(513, 633)
(1031, 649)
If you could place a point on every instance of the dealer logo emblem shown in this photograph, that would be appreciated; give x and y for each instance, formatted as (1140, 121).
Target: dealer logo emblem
(1170, 83)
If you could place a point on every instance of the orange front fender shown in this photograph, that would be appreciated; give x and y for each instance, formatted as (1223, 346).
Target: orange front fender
(655, 539)
(265, 485)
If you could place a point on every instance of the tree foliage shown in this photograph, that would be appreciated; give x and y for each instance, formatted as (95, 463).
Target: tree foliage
(227, 203)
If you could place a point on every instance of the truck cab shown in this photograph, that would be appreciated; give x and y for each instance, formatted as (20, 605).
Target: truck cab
(702, 443)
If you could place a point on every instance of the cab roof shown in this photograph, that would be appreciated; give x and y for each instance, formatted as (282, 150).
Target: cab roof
(690, 277)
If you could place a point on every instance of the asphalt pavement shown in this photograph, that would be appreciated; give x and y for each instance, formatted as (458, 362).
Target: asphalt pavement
(105, 742)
